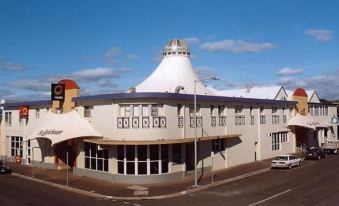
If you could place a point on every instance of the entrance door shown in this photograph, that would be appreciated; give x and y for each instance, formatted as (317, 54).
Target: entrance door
(61, 151)
(189, 156)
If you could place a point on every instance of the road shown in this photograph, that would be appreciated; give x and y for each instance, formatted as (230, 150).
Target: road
(15, 191)
(314, 183)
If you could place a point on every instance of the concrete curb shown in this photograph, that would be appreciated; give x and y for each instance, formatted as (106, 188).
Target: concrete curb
(188, 191)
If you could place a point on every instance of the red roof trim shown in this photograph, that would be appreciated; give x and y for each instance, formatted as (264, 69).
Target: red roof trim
(69, 84)
(300, 92)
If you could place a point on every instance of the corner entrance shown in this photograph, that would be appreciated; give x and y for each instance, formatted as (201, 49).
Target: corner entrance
(61, 151)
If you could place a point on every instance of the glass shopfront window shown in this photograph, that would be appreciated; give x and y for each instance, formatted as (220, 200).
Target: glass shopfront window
(142, 159)
(96, 158)
(16, 146)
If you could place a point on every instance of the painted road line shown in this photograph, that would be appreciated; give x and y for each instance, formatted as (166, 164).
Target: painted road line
(286, 191)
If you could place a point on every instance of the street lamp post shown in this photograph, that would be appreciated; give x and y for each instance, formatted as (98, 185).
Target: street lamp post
(195, 128)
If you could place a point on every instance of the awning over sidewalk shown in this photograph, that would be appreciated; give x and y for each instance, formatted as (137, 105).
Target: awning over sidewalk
(61, 127)
(307, 122)
(153, 142)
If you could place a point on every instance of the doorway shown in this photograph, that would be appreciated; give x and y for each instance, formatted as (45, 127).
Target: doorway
(61, 151)
(190, 156)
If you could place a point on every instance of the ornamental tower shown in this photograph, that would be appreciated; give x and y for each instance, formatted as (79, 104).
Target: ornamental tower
(175, 73)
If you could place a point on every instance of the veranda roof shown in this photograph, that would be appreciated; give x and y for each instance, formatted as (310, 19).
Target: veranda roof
(61, 127)
(160, 141)
(307, 122)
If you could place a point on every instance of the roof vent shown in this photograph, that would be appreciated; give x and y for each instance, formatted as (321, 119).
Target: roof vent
(178, 88)
(132, 90)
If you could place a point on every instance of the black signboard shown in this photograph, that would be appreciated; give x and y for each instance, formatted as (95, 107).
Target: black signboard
(58, 91)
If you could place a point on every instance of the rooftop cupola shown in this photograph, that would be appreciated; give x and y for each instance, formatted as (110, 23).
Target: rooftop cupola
(176, 47)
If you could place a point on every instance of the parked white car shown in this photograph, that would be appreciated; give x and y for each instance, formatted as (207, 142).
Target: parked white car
(286, 161)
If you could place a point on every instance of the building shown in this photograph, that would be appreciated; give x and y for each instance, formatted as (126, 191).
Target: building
(147, 135)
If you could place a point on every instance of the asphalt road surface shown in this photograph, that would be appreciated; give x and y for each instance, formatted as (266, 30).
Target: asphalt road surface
(314, 183)
(15, 191)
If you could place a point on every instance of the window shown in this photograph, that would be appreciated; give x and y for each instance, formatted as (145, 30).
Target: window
(142, 159)
(37, 113)
(145, 110)
(252, 115)
(154, 157)
(191, 109)
(262, 119)
(87, 111)
(16, 146)
(8, 118)
(179, 108)
(275, 141)
(275, 119)
(261, 110)
(164, 158)
(239, 116)
(284, 138)
(221, 109)
(316, 111)
(212, 110)
(274, 110)
(238, 110)
(176, 154)
(136, 109)
(326, 110)
(218, 145)
(154, 110)
(96, 158)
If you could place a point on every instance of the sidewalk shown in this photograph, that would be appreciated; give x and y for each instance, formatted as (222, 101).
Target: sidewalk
(121, 191)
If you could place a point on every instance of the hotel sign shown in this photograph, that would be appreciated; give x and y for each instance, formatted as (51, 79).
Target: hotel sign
(58, 91)
(45, 132)
(24, 111)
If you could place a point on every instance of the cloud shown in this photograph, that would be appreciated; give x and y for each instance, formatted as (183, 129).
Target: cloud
(322, 35)
(32, 85)
(108, 83)
(191, 40)
(8, 66)
(235, 46)
(326, 84)
(98, 73)
(205, 72)
(4, 93)
(112, 55)
(289, 71)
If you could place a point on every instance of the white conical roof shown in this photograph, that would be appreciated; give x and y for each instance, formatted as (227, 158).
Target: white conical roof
(174, 71)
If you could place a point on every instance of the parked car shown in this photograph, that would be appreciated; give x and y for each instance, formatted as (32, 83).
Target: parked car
(4, 169)
(286, 161)
(331, 147)
(315, 153)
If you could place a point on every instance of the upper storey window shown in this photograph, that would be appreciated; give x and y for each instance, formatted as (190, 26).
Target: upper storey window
(238, 110)
(8, 118)
(274, 110)
(154, 110)
(37, 113)
(88, 111)
(191, 109)
(221, 110)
